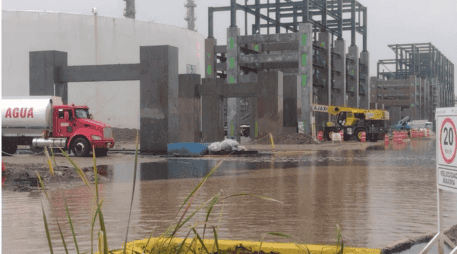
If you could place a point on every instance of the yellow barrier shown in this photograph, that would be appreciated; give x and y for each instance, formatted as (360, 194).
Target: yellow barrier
(282, 248)
(272, 142)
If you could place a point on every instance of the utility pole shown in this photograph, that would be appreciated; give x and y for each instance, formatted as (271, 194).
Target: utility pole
(190, 17)
(129, 11)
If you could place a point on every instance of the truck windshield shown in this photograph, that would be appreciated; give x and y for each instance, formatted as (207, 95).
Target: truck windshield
(82, 113)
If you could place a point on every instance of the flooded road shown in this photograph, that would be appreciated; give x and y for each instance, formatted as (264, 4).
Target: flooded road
(377, 196)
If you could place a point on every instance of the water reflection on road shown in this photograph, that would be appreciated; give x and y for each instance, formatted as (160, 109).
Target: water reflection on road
(377, 196)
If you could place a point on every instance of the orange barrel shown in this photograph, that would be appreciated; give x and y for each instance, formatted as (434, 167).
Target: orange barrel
(363, 136)
(320, 135)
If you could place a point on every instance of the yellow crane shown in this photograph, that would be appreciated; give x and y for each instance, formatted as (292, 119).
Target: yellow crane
(354, 121)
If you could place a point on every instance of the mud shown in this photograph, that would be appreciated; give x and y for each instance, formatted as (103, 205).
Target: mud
(21, 169)
(296, 138)
(24, 178)
(406, 244)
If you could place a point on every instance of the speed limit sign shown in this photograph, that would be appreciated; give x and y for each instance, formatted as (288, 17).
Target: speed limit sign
(446, 148)
(446, 170)
(447, 140)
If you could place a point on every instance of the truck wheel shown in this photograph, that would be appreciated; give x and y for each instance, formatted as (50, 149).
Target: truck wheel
(100, 152)
(36, 150)
(9, 147)
(81, 147)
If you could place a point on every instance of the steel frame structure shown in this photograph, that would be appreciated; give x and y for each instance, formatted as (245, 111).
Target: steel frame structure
(329, 15)
(422, 60)
(315, 62)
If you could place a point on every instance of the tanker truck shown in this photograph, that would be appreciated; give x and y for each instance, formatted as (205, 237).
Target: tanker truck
(43, 121)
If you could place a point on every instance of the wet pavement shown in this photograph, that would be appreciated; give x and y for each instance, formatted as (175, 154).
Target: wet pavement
(378, 196)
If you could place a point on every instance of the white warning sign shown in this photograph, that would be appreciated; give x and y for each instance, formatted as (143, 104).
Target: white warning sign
(447, 178)
(446, 148)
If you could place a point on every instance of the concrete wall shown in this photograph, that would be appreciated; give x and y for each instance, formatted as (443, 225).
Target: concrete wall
(89, 41)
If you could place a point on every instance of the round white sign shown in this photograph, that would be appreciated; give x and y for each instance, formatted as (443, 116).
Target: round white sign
(448, 142)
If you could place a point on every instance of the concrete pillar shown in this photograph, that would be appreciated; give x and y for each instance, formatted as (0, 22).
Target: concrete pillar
(353, 77)
(158, 97)
(373, 92)
(324, 93)
(290, 85)
(422, 98)
(364, 100)
(189, 110)
(210, 58)
(429, 100)
(233, 104)
(270, 103)
(212, 121)
(43, 67)
(413, 97)
(253, 121)
(339, 94)
(305, 73)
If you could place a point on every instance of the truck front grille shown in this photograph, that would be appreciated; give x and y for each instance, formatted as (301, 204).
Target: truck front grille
(107, 133)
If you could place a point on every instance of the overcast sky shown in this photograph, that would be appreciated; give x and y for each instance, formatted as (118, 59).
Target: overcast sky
(389, 21)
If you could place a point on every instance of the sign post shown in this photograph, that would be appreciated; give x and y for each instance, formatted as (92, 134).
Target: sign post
(446, 169)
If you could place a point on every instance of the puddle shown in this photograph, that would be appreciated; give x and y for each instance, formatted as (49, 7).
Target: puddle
(377, 196)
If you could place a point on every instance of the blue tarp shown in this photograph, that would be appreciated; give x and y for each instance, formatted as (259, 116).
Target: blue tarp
(188, 149)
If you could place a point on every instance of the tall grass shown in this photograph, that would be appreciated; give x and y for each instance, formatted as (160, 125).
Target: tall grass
(166, 242)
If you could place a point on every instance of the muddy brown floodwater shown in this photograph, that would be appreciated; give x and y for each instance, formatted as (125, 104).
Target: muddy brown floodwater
(378, 196)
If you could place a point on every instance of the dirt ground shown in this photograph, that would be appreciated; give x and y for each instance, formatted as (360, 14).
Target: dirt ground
(21, 169)
(296, 138)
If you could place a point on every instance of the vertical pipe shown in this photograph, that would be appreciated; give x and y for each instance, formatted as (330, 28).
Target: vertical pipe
(352, 22)
(295, 18)
(365, 29)
(305, 11)
(232, 13)
(396, 62)
(268, 15)
(210, 22)
(324, 16)
(245, 18)
(257, 16)
(340, 22)
(377, 75)
(277, 17)
(412, 60)
(401, 64)
(432, 61)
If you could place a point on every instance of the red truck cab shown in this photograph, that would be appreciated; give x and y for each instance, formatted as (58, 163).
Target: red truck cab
(82, 132)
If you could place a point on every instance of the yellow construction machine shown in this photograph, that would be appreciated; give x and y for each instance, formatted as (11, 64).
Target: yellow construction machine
(354, 121)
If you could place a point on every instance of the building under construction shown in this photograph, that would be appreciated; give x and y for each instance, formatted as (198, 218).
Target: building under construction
(415, 83)
(308, 58)
(312, 67)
